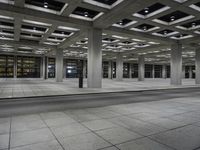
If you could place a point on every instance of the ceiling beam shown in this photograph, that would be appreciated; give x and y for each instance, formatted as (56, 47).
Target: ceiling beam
(33, 44)
(18, 20)
(30, 14)
(121, 11)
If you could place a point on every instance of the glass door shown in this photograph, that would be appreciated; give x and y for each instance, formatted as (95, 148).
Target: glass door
(71, 68)
(51, 67)
(6, 66)
(28, 67)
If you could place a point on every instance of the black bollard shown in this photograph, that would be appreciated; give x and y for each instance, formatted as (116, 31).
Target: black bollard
(80, 81)
(80, 73)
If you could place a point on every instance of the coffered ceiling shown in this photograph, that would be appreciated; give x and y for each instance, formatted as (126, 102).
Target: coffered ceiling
(131, 27)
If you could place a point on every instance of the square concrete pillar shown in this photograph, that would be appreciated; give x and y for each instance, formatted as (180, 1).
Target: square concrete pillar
(183, 72)
(44, 67)
(41, 67)
(84, 69)
(64, 68)
(94, 69)
(190, 72)
(164, 74)
(176, 64)
(153, 71)
(197, 67)
(15, 67)
(59, 65)
(119, 67)
(110, 69)
(141, 68)
(130, 70)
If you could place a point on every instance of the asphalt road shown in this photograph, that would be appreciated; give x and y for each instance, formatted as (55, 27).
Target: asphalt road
(21, 106)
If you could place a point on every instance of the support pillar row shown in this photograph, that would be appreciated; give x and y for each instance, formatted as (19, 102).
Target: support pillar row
(110, 70)
(197, 63)
(176, 64)
(119, 67)
(59, 65)
(94, 69)
(141, 68)
(164, 74)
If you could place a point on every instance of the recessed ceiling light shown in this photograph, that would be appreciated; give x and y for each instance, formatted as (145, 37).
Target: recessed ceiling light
(172, 18)
(146, 10)
(193, 24)
(144, 28)
(45, 5)
(86, 14)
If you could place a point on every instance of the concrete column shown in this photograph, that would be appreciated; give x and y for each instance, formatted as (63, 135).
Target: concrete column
(42, 65)
(46, 67)
(130, 70)
(64, 68)
(94, 69)
(164, 73)
(183, 72)
(176, 64)
(153, 71)
(59, 65)
(112, 66)
(119, 67)
(197, 67)
(84, 68)
(190, 72)
(109, 69)
(141, 68)
(15, 67)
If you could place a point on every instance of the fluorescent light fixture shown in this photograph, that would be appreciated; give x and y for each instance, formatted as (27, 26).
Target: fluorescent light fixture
(6, 38)
(6, 17)
(5, 45)
(142, 30)
(86, 18)
(195, 7)
(152, 14)
(51, 43)
(36, 22)
(7, 1)
(181, 1)
(141, 46)
(103, 5)
(153, 43)
(183, 37)
(119, 37)
(165, 35)
(191, 28)
(62, 35)
(197, 32)
(138, 40)
(68, 28)
(25, 47)
(124, 26)
(105, 41)
(173, 22)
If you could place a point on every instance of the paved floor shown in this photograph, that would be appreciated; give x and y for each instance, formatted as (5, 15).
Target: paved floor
(38, 87)
(170, 124)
